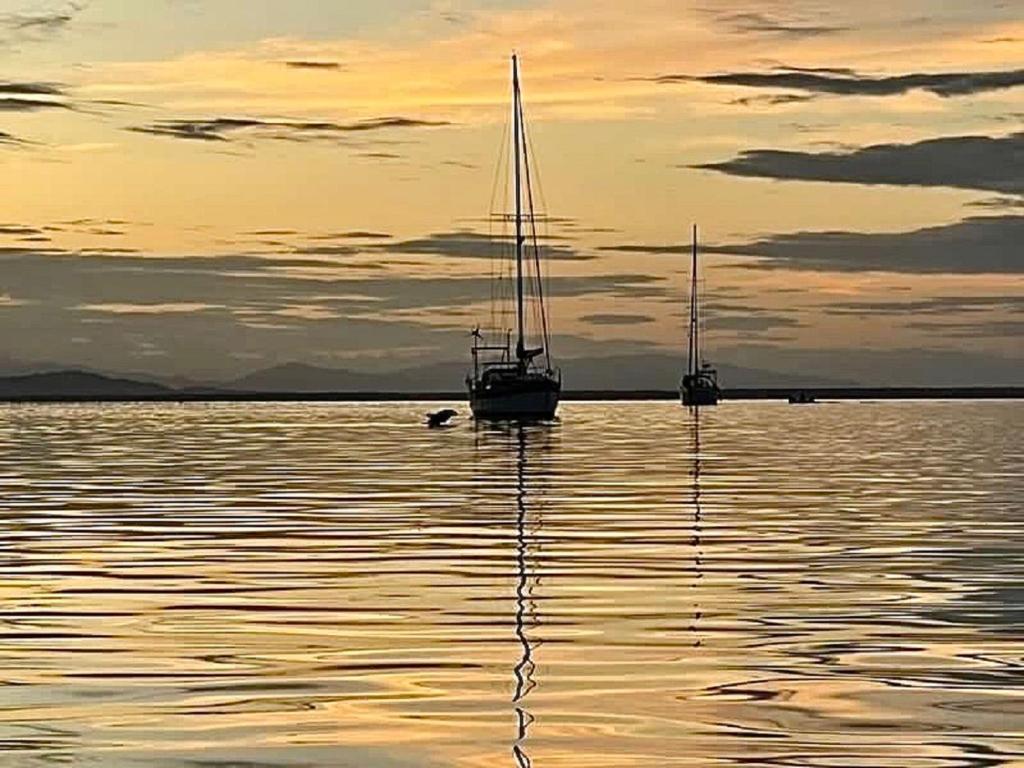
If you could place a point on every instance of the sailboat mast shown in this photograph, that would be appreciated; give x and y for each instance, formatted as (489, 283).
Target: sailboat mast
(516, 133)
(694, 325)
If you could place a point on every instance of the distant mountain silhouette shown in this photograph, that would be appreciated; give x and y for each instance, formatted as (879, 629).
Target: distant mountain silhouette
(620, 373)
(626, 373)
(59, 384)
(591, 378)
(300, 377)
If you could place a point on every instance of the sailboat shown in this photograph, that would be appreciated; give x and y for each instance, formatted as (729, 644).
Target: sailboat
(700, 382)
(518, 383)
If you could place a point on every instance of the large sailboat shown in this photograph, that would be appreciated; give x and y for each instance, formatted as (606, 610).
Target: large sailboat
(700, 382)
(519, 382)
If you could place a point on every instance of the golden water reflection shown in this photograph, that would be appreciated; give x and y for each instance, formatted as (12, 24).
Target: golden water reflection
(332, 585)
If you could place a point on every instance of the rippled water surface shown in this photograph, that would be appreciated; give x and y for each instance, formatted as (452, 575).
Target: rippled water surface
(240, 586)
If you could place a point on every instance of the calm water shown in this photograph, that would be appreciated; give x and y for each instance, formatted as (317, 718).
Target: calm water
(239, 586)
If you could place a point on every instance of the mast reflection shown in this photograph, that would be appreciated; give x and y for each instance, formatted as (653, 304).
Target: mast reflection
(526, 610)
(695, 540)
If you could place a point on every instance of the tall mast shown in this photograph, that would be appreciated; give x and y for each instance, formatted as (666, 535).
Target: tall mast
(516, 131)
(694, 325)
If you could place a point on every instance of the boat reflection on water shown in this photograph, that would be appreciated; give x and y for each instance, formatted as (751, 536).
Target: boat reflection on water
(527, 441)
(695, 540)
(526, 609)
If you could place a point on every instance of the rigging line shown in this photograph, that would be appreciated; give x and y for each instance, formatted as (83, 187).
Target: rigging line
(539, 182)
(499, 165)
(506, 256)
(542, 267)
(701, 319)
(536, 249)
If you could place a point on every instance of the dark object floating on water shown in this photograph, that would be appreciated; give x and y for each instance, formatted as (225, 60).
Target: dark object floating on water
(801, 398)
(440, 418)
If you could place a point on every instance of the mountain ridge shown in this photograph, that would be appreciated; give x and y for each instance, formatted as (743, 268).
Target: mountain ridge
(611, 373)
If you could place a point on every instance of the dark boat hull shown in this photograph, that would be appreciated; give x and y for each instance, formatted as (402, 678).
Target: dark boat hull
(532, 399)
(700, 389)
(700, 396)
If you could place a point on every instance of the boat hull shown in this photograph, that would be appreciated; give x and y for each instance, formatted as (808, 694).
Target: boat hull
(700, 389)
(538, 401)
(700, 396)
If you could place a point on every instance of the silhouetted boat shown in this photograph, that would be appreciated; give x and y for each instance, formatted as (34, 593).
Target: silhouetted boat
(700, 382)
(518, 383)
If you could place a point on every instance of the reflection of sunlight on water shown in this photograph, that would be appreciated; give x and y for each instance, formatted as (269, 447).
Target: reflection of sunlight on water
(289, 585)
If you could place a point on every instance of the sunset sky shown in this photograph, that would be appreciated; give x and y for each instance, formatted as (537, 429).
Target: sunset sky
(202, 188)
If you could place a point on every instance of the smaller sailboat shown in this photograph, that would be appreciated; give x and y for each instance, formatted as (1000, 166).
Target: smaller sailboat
(700, 382)
(520, 382)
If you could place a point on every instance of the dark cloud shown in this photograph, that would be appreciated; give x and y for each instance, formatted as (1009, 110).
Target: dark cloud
(467, 244)
(8, 139)
(454, 18)
(966, 162)
(354, 234)
(772, 100)
(616, 319)
(18, 104)
(821, 70)
(28, 96)
(937, 305)
(222, 129)
(200, 130)
(724, 313)
(30, 88)
(1001, 202)
(119, 103)
(652, 249)
(379, 123)
(754, 322)
(19, 229)
(329, 250)
(765, 24)
(51, 275)
(43, 23)
(850, 83)
(203, 311)
(812, 127)
(981, 244)
(314, 65)
(1000, 329)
